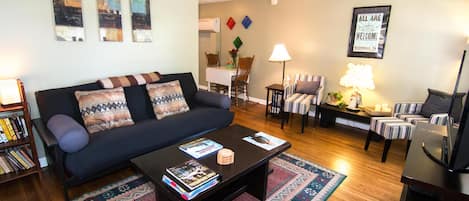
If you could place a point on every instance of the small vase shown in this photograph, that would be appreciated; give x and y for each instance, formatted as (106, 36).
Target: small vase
(234, 61)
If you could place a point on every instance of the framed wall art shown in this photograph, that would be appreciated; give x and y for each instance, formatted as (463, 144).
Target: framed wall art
(368, 31)
(141, 20)
(68, 20)
(110, 20)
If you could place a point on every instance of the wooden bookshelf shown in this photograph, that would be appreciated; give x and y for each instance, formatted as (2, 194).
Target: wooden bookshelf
(11, 108)
(23, 108)
(15, 143)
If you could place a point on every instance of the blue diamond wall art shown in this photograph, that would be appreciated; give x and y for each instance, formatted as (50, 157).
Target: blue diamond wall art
(247, 22)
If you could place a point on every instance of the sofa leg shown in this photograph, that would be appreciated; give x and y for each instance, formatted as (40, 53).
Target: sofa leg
(65, 189)
(407, 149)
(368, 139)
(387, 145)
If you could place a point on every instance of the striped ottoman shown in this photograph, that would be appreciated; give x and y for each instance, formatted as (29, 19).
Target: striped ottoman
(298, 104)
(390, 128)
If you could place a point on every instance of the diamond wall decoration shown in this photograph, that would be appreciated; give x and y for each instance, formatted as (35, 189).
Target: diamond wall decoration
(238, 42)
(231, 23)
(247, 22)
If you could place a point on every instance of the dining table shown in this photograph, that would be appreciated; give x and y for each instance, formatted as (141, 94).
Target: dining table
(222, 75)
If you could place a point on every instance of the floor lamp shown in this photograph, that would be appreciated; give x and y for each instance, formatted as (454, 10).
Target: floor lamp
(280, 54)
(457, 79)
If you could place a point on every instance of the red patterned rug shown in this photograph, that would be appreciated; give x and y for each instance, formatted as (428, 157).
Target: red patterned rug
(293, 178)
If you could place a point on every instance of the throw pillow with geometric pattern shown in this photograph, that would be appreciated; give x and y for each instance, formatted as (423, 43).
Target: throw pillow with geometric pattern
(104, 109)
(167, 99)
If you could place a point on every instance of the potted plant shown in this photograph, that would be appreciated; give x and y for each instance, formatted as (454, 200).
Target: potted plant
(336, 99)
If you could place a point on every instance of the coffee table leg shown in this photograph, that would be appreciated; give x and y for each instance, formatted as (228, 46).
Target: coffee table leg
(257, 184)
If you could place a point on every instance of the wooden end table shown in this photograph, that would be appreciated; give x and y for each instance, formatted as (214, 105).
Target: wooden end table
(275, 107)
(329, 114)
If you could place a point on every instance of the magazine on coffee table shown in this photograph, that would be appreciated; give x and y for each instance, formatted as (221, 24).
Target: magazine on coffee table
(200, 147)
(191, 174)
(188, 195)
(264, 141)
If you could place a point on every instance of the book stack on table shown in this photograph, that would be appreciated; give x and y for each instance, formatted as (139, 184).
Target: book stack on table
(190, 178)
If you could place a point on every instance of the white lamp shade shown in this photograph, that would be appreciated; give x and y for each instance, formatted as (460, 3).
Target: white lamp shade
(280, 53)
(9, 92)
(358, 76)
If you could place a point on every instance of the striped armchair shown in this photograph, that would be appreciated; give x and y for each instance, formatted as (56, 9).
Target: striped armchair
(401, 125)
(298, 103)
(410, 112)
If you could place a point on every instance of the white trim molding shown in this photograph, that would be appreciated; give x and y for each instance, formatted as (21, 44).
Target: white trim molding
(311, 113)
(43, 162)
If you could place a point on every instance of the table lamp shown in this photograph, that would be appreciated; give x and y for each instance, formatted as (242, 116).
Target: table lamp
(9, 92)
(359, 77)
(280, 54)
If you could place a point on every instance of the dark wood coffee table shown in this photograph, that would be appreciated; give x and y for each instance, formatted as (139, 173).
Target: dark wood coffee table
(248, 173)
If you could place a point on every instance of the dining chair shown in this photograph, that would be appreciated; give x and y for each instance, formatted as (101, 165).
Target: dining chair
(213, 60)
(241, 80)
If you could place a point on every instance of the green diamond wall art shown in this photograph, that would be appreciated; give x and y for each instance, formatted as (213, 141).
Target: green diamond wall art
(238, 42)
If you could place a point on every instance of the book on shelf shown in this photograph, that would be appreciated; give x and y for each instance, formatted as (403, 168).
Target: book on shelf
(264, 140)
(191, 174)
(188, 195)
(13, 128)
(15, 159)
(5, 165)
(200, 147)
(3, 137)
(14, 163)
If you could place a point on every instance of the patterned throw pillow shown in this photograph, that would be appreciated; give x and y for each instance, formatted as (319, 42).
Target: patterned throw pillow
(103, 109)
(167, 99)
(129, 80)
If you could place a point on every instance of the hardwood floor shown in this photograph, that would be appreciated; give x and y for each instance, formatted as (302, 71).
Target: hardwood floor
(339, 148)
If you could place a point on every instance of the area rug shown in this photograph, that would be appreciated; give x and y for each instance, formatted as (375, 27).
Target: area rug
(292, 178)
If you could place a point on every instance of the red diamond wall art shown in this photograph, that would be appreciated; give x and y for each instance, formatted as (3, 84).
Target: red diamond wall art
(230, 23)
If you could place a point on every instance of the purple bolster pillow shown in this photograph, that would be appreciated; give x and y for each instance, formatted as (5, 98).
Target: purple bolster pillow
(70, 135)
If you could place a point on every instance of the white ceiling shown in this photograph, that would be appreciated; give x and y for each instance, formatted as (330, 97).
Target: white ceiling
(211, 1)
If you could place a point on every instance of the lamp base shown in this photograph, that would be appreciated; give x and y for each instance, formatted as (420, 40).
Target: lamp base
(355, 101)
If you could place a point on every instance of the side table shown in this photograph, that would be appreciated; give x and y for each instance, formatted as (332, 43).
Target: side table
(275, 95)
(329, 114)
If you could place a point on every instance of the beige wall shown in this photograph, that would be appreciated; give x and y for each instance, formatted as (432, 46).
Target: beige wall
(208, 42)
(423, 49)
(28, 49)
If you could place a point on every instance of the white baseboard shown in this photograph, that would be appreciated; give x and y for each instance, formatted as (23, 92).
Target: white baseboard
(354, 124)
(257, 100)
(203, 87)
(311, 114)
(43, 162)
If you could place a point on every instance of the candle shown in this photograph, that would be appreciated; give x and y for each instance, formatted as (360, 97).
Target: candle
(377, 108)
(225, 157)
(384, 107)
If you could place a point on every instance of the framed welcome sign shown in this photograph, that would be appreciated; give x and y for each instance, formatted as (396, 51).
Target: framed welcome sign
(368, 31)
